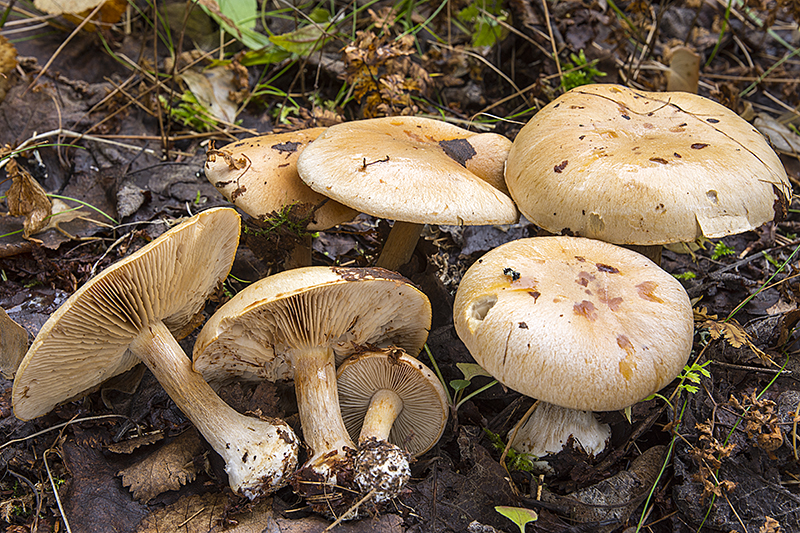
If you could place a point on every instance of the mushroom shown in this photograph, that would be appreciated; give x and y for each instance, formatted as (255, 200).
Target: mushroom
(128, 313)
(413, 170)
(298, 324)
(394, 406)
(642, 168)
(259, 176)
(578, 323)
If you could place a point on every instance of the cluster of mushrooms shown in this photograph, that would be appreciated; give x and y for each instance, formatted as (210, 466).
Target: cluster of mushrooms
(575, 321)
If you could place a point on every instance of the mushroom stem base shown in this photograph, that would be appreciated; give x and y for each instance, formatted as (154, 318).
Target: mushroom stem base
(550, 426)
(259, 454)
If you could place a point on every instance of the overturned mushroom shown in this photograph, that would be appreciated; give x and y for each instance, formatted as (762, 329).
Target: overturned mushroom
(127, 314)
(414, 171)
(644, 169)
(580, 324)
(296, 325)
(393, 405)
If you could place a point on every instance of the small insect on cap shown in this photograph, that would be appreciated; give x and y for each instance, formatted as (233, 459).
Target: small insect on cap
(575, 322)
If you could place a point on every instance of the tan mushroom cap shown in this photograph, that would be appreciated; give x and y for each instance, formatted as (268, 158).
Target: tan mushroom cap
(575, 322)
(86, 340)
(251, 336)
(636, 167)
(259, 176)
(424, 409)
(411, 169)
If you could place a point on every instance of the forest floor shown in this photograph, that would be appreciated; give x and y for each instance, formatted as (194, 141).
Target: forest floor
(116, 117)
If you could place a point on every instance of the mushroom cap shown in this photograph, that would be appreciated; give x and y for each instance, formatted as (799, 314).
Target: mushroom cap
(411, 169)
(252, 336)
(575, 322)
(422, 420)
(635, 167)
(86, 340)
(259, 176)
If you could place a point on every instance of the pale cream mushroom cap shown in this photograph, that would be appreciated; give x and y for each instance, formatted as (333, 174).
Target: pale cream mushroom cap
(411, 169)
(636, 167)
(251, 336)
(86, 340)
(259, 176)
(586, 325)
(423, 410)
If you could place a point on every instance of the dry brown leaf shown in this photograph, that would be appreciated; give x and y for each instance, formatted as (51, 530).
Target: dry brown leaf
(200, 513)
(76, 10)
(128, 446)
(26, 198)
(684, 70)
(13, 345)
(169, 468)
(770, 526)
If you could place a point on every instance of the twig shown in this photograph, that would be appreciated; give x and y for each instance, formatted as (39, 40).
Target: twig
(59, 426)
(55, 491)
(64, 44)
(352, 508)
(552, 39)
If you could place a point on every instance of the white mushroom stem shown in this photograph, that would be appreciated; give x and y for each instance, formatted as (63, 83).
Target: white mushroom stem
(399, 245)
(550, 426)
(318, 405)
(384, 408)
(259, 455)
(380, 465)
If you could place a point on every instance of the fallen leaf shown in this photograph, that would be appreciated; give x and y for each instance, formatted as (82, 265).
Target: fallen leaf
(13, 345)
(780, 136)
(26, 198)
(76, 10)
(169, 468)
(130, 445)
(201, 513)
(684, 70)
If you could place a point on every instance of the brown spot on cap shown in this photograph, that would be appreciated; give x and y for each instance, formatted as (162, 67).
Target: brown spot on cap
(359, 274)
(287, 147)
(612, 303)
(559, 168)
(606, 268)
(522, 325)
(646, 291)
(535, 295)
(659, 160)
(584, 278)
(459, 150)
(627, 365)
(585, 309)
(699, 146)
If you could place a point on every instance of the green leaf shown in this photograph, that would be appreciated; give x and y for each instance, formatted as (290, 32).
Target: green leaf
(518, 515)
(471, 370)
(459, 384)
(302, 41)
(242, 13)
